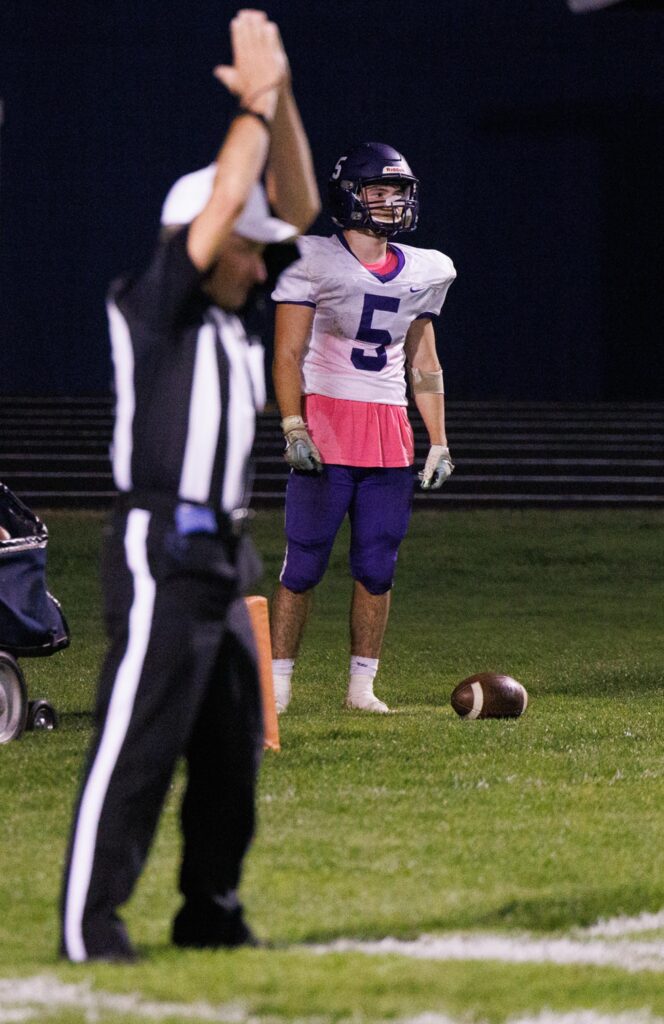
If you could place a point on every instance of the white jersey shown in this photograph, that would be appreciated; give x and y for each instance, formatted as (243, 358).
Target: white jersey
(356, 348)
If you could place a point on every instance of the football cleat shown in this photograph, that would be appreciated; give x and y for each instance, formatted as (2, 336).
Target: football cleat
(367, 702)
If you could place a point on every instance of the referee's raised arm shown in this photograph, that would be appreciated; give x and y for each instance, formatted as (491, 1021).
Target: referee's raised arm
(259, 69)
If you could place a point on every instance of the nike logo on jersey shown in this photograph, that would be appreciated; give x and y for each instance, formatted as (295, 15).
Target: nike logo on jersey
(417, 289)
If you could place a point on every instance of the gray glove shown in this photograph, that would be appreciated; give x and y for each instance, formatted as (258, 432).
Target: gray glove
(301, 453)
(437, 469)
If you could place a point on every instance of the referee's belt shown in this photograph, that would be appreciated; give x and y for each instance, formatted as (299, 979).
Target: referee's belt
(188, 516)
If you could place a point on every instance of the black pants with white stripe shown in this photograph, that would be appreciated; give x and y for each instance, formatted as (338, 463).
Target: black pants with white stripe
(180, 679)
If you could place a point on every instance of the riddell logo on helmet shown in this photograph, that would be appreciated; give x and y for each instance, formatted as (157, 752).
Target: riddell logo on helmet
(391, 170)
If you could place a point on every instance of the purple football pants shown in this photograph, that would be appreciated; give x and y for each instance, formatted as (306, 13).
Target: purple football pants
(378, 503)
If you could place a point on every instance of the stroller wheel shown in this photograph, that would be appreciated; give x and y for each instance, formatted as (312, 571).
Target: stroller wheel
(13, 699)
(41, 715)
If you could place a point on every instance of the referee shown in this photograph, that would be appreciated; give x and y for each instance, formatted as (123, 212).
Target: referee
(180, 675)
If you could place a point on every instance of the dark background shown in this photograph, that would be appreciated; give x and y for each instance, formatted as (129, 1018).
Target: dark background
(537, 134)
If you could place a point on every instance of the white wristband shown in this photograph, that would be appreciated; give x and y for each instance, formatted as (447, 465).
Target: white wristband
(292, 423)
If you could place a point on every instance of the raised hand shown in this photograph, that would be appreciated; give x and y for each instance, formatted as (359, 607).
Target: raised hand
(260, 65)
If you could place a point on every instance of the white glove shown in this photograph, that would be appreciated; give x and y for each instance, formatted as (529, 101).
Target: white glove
(437, 469)
(301, 453)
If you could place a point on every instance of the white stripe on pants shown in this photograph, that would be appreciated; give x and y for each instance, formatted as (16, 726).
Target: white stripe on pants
(115, 730)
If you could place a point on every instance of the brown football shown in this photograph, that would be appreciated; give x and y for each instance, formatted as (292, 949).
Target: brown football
(489, 695)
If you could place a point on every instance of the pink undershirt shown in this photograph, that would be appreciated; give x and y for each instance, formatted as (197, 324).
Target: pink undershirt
(384, 266)
(362, 434)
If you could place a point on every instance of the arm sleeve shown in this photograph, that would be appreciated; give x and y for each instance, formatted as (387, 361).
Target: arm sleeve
(295, 285)
(160, 294)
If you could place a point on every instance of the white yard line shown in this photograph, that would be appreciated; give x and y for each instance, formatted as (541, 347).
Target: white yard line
(23, 1000)
(617, 926)
(519, 949)
(589, 1017)
(548, 1017)
(31, 999)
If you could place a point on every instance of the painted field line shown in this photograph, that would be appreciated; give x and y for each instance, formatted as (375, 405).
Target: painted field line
(23, 999)
(517, 949)
(617, 926)
(589, 1017)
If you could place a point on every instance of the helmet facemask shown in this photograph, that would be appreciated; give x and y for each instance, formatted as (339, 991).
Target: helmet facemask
(393, 213)
(384, 216)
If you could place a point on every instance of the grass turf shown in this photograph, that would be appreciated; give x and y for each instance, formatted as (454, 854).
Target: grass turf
(410, 823)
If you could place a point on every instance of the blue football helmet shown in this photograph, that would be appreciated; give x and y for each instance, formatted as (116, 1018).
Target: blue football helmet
(373, 163)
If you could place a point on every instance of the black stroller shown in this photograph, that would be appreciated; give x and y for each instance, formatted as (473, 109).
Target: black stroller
(31, 620)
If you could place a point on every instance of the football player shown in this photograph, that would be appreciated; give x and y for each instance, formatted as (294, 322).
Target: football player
(354, 314)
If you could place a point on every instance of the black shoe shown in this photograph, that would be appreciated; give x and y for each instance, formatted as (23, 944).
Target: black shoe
(106, 940)
(119, 956)
(203, 924)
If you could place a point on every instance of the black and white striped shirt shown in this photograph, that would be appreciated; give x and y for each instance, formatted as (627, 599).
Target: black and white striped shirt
(185, 382)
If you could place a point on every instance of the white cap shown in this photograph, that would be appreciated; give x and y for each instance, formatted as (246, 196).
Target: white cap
(190, 194)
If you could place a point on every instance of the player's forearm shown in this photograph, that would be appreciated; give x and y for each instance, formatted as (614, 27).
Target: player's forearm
(431, 408)
(287, 378)
(291, 179)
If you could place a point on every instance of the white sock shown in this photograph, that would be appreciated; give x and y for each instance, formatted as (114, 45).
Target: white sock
(361, 677)
(282, 671)
(363, 666)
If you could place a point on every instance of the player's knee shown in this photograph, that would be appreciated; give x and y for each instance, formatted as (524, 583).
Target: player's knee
(304, 566)
(375, 571)
(375, 586)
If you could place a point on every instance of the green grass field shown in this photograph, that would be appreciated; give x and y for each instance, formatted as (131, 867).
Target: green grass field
(395, 826)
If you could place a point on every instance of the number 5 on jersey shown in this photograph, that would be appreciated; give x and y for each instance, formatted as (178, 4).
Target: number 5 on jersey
(373, 335)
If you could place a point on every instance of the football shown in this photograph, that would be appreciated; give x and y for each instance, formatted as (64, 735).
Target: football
(489, 695)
